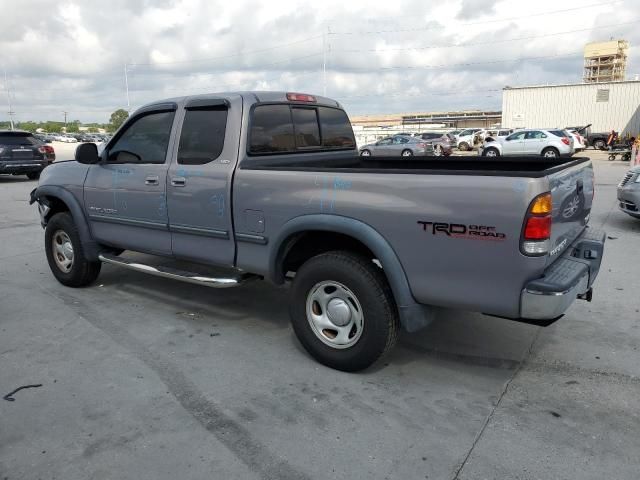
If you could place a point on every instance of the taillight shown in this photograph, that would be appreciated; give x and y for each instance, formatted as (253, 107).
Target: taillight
(565, 140)
(46, 149)
(300, 97)
(421, 145)
(537, 226)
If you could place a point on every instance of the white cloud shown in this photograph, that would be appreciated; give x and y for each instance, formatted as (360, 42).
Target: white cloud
(382, 57)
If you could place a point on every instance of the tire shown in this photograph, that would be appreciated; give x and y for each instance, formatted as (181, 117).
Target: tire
(437, 151)
(33, 175)
(365, 153)
(551, 152)
(358, 290)
(611, 157)
(599, 144)
(464, 146)
(490, 152)
(68, 265)
(407, 153)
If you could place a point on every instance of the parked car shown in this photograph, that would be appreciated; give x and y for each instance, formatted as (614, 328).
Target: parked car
(454, 133)
(397, 145)
(547, 143)
(269, 185)
(597, 140)
(579, 142)
(496, 133)
(442, 143)
(629, 193)
(465, 139)
(21, 153)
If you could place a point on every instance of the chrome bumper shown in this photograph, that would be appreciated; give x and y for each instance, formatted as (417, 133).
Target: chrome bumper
(571, 276)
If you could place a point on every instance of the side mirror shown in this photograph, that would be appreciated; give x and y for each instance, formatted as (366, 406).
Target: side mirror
(87, 153)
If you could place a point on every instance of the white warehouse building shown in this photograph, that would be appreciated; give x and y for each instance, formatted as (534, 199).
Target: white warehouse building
(607, 106)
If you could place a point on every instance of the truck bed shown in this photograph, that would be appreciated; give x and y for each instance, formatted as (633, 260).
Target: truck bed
(533, 167)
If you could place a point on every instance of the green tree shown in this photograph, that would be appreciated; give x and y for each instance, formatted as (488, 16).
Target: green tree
(118, 117)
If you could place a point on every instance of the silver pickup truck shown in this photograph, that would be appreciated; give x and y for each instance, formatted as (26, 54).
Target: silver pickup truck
(269, 185)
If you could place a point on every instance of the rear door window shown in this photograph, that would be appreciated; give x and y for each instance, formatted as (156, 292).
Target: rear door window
(202, 136)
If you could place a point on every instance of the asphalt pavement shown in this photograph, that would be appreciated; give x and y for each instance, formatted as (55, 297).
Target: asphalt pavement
(146, 378)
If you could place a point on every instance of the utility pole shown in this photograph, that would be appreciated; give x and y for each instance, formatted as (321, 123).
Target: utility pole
(65, 119)
(6, 87)
(126, 85)
(325, 46)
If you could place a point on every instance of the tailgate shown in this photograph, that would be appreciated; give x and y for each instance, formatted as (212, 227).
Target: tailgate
(572, 194)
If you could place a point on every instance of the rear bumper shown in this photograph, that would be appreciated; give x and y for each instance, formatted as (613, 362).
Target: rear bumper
(545, 299)
(23, 166)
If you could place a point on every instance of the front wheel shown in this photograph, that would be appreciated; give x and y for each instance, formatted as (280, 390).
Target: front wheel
(33, 175)
(407, 153)
(65, 254)
(342, 310)
(491, 152)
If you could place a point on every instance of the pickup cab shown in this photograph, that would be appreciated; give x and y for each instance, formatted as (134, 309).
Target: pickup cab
(269, 186)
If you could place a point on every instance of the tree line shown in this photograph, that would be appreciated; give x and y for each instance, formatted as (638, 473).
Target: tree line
(117, 118)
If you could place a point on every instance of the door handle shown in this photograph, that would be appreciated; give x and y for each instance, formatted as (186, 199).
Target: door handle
(178, 181)
(152, 180)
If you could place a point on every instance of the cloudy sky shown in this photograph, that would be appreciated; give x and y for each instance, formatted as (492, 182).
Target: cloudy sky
(381, 56)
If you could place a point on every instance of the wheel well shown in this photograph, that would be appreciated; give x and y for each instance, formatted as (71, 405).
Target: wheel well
(56, 206)
(550, 148)
(300, 247)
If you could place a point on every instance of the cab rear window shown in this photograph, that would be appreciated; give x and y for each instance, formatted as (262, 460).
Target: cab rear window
(286, 128)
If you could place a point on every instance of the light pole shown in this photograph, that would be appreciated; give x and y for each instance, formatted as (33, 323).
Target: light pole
(126, 86)
(11, 112)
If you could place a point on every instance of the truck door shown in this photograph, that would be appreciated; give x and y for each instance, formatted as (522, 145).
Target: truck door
(125, 194)
(199, 180)
(513, 144)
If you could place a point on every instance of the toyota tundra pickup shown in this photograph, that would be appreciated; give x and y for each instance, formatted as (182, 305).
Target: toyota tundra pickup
(269, 185)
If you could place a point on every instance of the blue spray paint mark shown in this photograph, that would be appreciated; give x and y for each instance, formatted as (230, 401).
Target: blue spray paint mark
(330, 186)
(218, 202)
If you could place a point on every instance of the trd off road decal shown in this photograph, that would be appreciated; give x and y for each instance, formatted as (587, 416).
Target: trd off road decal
(458, 230)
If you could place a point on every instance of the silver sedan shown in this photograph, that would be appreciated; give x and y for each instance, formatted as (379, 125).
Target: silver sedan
(396, 146)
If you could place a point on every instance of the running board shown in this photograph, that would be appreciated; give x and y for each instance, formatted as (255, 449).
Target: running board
(175, 274)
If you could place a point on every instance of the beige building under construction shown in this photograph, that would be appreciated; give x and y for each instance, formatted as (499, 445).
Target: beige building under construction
(605, 61)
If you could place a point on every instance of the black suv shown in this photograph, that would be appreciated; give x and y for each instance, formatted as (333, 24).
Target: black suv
(23, 154)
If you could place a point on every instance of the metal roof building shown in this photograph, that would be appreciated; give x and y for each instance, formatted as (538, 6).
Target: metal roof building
(607, 106)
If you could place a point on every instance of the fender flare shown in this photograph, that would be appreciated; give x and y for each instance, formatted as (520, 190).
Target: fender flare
(90, 246)
(413, 316)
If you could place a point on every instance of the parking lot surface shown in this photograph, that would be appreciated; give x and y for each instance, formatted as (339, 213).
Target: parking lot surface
(145, 378)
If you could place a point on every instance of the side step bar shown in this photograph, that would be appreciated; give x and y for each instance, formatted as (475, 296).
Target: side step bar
(175, 274)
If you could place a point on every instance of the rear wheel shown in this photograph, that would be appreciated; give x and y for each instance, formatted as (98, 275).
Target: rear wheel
(491, 152)
(550, 152)
(365, 153)
(599, 145)
(407, 153)
(437, 151)
(65, 254)
(33, 175)
(342, 310)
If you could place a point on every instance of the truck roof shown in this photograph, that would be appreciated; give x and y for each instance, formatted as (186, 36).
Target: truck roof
(256, 96)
